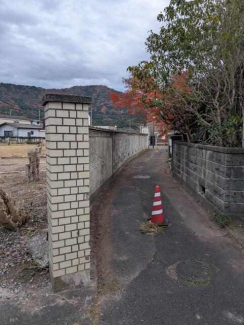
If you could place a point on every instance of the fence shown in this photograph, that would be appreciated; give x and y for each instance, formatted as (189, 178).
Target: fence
(22, 139)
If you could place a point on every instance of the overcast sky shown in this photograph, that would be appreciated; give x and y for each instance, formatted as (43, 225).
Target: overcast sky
(62, 43)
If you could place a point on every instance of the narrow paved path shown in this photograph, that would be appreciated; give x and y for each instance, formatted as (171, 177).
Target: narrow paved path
(192, 274)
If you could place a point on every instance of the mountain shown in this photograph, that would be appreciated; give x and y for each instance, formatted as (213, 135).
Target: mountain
(26, 101)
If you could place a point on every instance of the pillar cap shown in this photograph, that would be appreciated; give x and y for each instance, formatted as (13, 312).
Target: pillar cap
(66, 99)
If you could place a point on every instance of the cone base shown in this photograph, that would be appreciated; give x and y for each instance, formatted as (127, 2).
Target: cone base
(164, 225)
(161, 224)
(158, 219)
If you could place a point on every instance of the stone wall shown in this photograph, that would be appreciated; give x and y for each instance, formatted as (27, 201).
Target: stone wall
(109, 150)
(215, 174)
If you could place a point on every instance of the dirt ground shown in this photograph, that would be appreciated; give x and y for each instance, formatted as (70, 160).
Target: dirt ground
(19, 275)
(26, 295)
(17, 150)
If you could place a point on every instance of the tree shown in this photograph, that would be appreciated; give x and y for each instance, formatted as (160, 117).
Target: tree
(137, 98)
(196, 65)
(143, 97)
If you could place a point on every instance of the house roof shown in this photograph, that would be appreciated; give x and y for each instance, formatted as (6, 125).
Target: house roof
(14, 117)
(23, 126)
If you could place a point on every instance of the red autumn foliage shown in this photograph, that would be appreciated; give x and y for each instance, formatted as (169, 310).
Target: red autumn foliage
(180, 83)
(143, 97)
(136, 100)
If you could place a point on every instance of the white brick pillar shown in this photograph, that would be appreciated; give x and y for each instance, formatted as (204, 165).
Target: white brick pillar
(67, 149)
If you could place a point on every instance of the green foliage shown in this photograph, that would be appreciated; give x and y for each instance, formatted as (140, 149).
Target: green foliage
(230, 130)
(185, 39)
(203, 41)
(221, 220)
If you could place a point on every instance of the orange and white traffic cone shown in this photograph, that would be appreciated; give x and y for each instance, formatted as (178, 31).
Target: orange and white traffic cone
(157, 211)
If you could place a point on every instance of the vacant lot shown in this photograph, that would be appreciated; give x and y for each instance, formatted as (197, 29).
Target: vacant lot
(14, 157)
(18, 273)
(17, 150)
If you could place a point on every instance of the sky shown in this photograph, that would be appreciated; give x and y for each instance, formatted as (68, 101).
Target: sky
(63, 43)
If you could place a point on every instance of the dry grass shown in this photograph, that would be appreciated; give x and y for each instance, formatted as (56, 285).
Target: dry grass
(147, 227)
(17, 150)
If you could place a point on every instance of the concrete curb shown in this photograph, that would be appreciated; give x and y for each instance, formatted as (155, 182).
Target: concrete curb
(236, 236)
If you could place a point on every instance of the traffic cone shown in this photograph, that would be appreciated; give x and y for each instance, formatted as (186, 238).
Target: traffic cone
(157, 211)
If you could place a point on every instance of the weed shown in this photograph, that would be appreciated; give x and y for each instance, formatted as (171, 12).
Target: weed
(147, 227)
(93, 313)
(111, 286)
(221, 219)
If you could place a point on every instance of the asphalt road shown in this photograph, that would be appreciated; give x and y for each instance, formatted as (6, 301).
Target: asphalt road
(191, 274)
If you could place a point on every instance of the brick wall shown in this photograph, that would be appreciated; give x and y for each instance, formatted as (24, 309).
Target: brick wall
(215, 174)
(67, 143)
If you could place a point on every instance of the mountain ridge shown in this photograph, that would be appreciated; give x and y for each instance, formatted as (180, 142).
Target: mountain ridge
(25, 100)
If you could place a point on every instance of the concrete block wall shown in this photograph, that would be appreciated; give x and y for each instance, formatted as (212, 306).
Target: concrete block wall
(109, 150)
(126, 145)
(67, 169)
(216, 174)
(101, 161)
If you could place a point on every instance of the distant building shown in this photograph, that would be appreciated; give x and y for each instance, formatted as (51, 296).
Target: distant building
(161, 131)
(154, 128)
(20, 130)
(144, 129)
(113, 128)
(20, 127)
(17, 119)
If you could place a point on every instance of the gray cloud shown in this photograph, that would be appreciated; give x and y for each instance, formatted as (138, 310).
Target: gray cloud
(14, 17)
(52, 5)
(62, 43)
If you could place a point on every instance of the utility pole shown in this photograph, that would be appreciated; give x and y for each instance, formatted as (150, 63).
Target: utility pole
(243, 125)
(91, 117)
(153, 134)
(39, 115)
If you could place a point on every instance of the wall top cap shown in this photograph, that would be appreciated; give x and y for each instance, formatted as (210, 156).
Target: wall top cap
(226, 150)
(66, 99)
